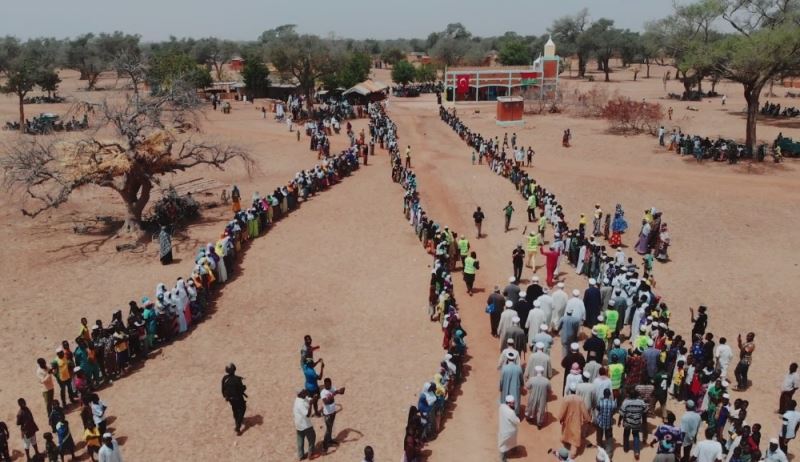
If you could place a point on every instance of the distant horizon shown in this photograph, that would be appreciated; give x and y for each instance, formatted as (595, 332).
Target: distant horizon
(245, 20)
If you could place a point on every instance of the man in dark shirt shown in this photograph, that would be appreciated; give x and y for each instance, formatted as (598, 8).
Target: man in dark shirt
(28, 429)
(233, 390)
(478, 217)
(700, 322)
(517, 259)
(595, 348)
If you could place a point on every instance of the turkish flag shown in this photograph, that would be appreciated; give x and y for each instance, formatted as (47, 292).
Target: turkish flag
(462, 85)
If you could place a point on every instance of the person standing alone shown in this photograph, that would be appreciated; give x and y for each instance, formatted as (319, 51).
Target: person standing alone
(233, 390)
(478, 217)
(508, 210)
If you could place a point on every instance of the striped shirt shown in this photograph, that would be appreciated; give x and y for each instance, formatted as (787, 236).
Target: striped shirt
(632, 412)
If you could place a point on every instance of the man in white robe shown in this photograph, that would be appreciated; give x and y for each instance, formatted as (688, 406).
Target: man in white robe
(576, 303)
(724, 356)
(536, 318)
(538, 359)
(538, 391)
(504, 354)
(544, 338)
(508, 314)
(507, 428)
(511, 380)
(559, 304)
(546, 303)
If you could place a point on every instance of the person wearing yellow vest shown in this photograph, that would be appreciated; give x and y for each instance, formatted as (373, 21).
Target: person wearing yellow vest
(471, 266)
(531, 208)
(463, 248)
(615, 373)
(533, 248)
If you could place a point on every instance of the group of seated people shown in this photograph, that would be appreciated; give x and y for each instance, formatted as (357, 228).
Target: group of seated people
(44, 124)
(774, 110)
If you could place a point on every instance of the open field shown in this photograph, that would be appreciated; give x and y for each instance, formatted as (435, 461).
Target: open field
(346, 269)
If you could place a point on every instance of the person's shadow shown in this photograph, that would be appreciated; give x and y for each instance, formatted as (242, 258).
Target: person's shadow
(252, 421)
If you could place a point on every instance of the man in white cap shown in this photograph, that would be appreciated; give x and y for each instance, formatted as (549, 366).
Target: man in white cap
(546, 302)
(538, 391)
(585, 389)
(515, 333)
(511, 379)
(534, 289)
(543, 337)
(576, 304)
(508, 423)
(509, 313)
(568, 327)
(523, 308)
(535, 319)
(605, 293)
(563, 455)
(109, 451)
(592, 301)
(774, 453)
(559, 303)
(504, 354)
(538, 358)
(511, 292)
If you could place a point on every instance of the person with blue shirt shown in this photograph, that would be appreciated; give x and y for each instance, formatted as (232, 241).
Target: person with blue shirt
(312, 381)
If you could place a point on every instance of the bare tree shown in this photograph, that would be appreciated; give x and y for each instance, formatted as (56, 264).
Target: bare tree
(151, 141)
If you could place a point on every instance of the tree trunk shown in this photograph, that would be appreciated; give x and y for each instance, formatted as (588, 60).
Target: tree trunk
(647, 63)
(600, 65)
(606, 69)
(136, 195)
(22, 128)
(751, 95)
(700, 84)
(581, 66)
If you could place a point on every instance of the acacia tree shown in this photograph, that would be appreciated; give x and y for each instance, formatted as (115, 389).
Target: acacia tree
(307, 58)
(22, 67)
(214, 53)
(149, 143)
(91, 55)
(566, 31)
(766, 45)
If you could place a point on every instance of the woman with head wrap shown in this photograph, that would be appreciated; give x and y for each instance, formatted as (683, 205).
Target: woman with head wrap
(663, 243)
(183, 303)
(618, 227)
(165, 246)
(222, 273)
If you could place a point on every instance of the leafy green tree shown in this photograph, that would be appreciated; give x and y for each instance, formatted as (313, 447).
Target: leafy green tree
(766, 45)
(171, 67)
(403, 72)
(392, 55)
(92, 55)
(215, 53)
(515, 53)
(425, 73)
(606, 40)
(255, 75)
(48, 81)
(307, 58)
(567, 32)
(23, 65)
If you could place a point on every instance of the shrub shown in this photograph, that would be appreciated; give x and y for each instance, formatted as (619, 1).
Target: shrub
(587, 104)
(173, 209)
(628, 116)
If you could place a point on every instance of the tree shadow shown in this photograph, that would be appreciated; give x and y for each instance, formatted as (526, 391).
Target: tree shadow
(518, 452)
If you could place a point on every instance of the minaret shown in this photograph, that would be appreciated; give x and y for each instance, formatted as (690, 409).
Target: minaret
(549, 48)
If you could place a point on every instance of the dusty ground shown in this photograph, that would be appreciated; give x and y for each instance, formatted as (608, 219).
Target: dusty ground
(358, 281)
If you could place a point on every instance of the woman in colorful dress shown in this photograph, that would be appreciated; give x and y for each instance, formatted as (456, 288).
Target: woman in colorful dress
(618, 227)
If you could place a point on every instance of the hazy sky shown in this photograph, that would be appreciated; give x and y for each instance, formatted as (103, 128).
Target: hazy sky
(246, 19)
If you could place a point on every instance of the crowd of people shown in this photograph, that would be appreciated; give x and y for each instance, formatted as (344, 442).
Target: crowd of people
(105, 351)
(620, 355)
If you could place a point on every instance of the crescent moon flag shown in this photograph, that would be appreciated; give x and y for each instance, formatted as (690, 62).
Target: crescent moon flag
(462, 84)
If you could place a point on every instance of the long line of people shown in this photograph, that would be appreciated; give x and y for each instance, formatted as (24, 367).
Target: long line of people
(426, 417)
(104, 352)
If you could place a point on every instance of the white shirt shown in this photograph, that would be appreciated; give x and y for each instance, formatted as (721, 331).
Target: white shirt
(301, 420)
(777, 456)
(98, 412)
(110, 454)
(791, 382)
(707, 451)
(790, 420)
(724, 354)
(328, 409)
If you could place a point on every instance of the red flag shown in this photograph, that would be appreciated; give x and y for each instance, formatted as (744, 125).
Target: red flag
(529, 75)
(462, 85)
